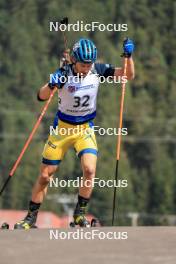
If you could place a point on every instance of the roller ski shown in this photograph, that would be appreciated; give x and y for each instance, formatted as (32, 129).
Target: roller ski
(28, 222)
(85, 223)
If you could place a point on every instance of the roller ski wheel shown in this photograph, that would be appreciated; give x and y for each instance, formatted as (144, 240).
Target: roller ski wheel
(72, 224)
(4, 226)
(94, 222)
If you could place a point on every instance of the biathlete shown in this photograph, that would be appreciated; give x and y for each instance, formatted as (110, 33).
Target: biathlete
(76, 109)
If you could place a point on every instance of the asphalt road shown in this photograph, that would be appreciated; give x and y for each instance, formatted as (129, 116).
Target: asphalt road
(105, 245)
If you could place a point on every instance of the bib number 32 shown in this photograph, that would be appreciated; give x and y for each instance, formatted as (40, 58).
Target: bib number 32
(81, 101)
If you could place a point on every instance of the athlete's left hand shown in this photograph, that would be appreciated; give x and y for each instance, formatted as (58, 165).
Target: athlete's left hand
(128, 48)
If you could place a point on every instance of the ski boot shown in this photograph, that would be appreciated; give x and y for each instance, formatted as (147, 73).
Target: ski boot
(81, 221)
(28, 222)
(79, 218)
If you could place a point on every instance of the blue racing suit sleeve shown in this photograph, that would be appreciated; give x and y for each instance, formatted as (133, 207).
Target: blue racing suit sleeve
(104, 70)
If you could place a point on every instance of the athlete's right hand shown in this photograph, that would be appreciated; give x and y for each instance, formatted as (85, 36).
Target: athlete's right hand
(54, 80)
(58, 79)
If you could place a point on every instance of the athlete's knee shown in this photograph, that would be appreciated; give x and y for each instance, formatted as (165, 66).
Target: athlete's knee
(44, 178)
(46, 174)
(89, 172)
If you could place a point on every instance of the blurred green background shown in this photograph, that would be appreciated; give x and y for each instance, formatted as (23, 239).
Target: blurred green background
(29, 52)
